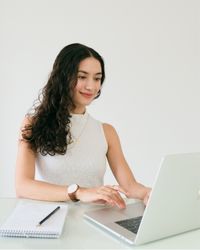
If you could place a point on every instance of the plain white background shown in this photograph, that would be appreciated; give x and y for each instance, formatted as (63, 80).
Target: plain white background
(151, 53)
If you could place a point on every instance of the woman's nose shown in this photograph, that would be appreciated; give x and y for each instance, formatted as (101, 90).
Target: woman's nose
(89, 85)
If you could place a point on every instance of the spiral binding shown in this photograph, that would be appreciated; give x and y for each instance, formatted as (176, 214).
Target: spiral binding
(28, 234)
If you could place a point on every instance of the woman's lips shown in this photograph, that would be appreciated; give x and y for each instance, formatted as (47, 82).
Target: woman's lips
(87, 95)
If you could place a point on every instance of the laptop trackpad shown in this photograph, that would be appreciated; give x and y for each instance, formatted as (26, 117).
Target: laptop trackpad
(113, 214)
(134, 209)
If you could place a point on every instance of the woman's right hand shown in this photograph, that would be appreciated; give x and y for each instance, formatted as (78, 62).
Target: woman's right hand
(102, 195)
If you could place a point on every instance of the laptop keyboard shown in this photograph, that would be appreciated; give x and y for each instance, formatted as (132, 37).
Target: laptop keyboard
(131, 224)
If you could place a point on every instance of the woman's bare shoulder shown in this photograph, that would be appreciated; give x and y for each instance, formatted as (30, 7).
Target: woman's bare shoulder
(110, 133)
(108, 128)
(27, 120)
(26, 128)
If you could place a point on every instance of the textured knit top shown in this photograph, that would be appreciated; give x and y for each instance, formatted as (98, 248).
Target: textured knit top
(85, 160)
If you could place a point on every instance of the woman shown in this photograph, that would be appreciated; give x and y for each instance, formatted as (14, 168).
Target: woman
(65, 145)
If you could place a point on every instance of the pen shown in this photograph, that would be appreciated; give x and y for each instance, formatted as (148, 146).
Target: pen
(49, 215)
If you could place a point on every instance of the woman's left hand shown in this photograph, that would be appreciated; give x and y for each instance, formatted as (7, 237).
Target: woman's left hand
(146, 197)
(138, 191)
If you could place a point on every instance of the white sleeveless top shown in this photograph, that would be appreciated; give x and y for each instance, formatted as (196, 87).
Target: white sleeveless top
(85, 160)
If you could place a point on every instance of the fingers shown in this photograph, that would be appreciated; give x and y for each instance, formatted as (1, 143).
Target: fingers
(101, 202)
(119, 189)
(102, 195)
(111, 195)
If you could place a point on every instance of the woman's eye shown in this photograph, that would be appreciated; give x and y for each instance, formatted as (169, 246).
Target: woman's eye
(97, 79)
(81, 77)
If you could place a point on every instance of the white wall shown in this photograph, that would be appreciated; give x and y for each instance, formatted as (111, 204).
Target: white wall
(151, 51)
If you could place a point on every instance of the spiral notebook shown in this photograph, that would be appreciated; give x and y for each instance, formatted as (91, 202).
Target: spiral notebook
(25, 217)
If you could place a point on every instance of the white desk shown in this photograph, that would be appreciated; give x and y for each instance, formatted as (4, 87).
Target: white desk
(78, 233)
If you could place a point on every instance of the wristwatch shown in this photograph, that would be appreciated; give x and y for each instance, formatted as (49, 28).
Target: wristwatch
(71, 190)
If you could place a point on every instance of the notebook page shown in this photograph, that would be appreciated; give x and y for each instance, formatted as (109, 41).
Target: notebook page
(27, 215)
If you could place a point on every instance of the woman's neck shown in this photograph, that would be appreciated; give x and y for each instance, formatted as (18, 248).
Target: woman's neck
(77, 111)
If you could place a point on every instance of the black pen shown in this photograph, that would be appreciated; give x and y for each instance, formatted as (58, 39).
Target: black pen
(49, 215)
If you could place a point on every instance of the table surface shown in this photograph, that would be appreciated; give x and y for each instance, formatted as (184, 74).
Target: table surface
(78, 233)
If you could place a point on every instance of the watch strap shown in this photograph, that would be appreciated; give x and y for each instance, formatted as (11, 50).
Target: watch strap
(72, 196)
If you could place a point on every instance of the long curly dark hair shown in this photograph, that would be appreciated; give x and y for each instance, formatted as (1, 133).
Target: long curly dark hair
(50, 120)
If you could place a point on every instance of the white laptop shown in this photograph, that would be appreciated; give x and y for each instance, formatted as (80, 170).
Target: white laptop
(173, 206)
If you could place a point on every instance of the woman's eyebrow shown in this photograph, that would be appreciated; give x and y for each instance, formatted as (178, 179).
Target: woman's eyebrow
(82, 71)
(85, 72)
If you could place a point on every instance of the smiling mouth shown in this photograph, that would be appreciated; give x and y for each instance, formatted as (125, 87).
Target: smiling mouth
(86, 95)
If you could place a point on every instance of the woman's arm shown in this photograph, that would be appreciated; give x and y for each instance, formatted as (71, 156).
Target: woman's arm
(28, 187)
(120, 167)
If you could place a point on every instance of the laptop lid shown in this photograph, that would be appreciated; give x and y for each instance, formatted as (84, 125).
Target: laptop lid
(173, 206)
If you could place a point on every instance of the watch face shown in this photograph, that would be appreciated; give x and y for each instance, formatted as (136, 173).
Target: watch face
(72, 188)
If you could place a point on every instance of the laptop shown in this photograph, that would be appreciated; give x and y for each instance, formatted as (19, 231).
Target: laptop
(173, 206)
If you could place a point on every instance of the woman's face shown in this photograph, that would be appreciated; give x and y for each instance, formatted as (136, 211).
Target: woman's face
(88, 83)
